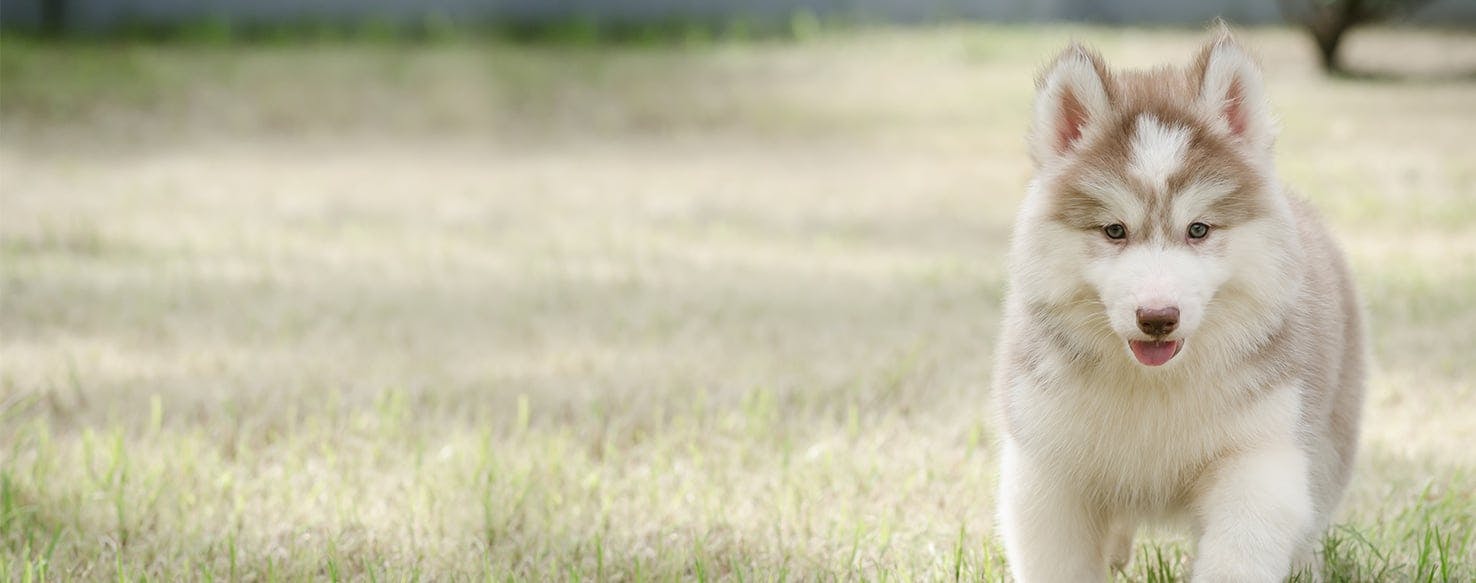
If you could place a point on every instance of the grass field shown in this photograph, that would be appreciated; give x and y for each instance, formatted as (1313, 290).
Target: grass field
(726, 311)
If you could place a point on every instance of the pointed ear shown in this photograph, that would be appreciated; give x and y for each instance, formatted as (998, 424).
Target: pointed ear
(1071, 94)
(1230, 87)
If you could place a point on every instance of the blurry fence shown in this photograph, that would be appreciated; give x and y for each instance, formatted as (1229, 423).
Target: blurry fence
(100, 15)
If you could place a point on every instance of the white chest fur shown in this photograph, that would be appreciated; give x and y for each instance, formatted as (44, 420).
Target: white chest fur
(1134, 443)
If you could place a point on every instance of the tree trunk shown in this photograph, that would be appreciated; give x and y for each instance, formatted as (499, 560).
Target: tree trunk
(53, 17)
(1328, 41)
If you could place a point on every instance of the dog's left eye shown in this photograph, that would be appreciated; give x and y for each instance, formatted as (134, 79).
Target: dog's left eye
(1198, 230)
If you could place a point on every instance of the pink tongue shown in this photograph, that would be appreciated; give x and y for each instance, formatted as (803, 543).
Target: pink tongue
(1155, 353)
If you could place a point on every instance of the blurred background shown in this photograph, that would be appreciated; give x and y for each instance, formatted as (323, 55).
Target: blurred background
(630, 289)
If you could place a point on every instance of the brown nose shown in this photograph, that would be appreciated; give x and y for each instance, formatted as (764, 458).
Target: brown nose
(1158, 321)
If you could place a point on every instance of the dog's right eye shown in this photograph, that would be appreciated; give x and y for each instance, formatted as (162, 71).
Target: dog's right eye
(1115, 231)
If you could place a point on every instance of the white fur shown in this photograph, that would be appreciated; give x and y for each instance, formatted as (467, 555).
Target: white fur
(1155, 276)
(1239, 446)
(1044, 517)
(1157, 150)
(1257, 513)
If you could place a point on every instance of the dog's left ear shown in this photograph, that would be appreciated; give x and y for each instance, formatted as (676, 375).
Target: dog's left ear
(1230, 85)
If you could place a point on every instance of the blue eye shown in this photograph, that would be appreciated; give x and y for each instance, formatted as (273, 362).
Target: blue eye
(1115, 231)
(1198, 230)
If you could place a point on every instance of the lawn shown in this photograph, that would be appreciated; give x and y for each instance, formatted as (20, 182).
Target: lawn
(466, 309)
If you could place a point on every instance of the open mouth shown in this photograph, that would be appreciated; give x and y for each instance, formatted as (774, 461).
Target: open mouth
(1155, 352)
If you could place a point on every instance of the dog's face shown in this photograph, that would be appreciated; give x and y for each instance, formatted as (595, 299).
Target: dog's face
(1154, 205)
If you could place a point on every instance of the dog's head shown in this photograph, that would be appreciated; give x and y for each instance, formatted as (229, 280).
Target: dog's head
(1155, 203)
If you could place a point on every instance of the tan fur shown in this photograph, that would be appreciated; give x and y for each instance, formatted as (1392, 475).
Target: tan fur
(1162, 93)
(1331, 320)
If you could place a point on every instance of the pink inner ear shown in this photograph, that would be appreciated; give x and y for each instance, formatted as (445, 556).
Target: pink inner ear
(1073, 117)
(1234, 109)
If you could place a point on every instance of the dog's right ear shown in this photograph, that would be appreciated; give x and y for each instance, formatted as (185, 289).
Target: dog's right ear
(1071, 94)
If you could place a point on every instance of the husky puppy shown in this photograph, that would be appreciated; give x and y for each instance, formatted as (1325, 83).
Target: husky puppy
(1181, 336)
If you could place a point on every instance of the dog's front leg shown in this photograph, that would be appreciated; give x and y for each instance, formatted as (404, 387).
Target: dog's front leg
(1050, 534)
(1255, 514)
